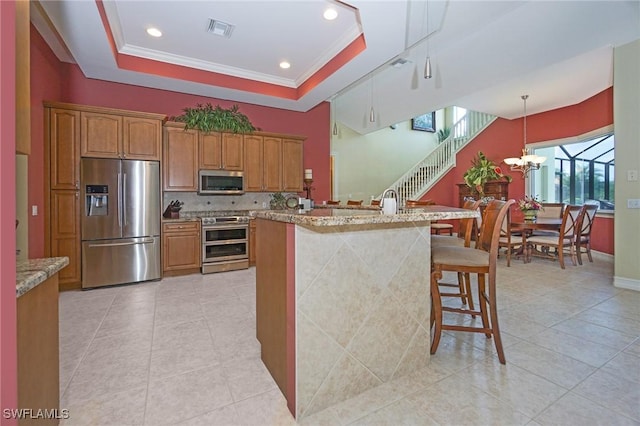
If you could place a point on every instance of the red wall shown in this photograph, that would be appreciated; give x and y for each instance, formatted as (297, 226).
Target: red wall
(8, 355)
(504, 138)
(56, 81)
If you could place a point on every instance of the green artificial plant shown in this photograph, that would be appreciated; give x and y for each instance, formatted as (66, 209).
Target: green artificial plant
(209, 118)
(443, 134)
(481, 171)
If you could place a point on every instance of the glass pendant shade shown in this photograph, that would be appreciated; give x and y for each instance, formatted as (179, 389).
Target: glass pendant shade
(527, 161)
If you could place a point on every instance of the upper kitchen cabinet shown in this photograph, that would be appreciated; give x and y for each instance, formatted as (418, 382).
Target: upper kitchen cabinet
(120, 136)
(180, 158)
(273, 163)
(63, 148)
(221, 151)
(141, 138)
(292, 173)
(101, 135)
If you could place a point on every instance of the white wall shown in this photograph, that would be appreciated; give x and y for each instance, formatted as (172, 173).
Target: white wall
(626, 110)
(365, 165)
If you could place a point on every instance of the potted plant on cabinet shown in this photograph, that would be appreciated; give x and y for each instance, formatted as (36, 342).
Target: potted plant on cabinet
(208, 118)
(481, 171)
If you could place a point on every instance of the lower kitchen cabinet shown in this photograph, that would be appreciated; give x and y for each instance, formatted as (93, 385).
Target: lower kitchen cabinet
(181, 247)
(252, 242)
(65, 235)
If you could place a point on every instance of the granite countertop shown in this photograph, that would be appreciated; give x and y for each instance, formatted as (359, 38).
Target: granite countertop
(31, 272)
(345, 216)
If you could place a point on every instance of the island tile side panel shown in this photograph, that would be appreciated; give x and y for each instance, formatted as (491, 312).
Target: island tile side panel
(362, 311)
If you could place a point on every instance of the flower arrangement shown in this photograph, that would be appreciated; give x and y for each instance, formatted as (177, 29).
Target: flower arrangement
(529, 203)
(481, 171)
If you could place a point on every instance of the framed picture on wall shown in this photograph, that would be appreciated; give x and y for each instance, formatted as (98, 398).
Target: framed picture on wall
(424, 122)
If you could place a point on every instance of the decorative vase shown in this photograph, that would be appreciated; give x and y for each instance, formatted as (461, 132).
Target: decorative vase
(530, 215)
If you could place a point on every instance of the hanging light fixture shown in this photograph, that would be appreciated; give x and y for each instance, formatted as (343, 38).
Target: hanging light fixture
(427, 64)
(372, 113)
(527, 161)
(333, 116)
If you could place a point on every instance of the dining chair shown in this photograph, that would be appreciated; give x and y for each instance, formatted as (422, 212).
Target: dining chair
(550, 210)
(469, 225)
(583, 238)
(354, 202)
(375, 203)
(481, 261)
(333, 202)
(565, 239)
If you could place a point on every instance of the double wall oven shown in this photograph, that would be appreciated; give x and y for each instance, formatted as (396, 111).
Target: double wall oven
(225, 243)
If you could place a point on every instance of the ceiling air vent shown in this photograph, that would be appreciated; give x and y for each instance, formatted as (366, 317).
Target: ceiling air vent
(220, 28)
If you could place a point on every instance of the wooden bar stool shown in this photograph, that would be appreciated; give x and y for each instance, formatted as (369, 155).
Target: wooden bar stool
(481, 261)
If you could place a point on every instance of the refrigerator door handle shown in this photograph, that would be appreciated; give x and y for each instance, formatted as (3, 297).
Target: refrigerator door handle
(124, 199)
(119, 199)
(132, 243)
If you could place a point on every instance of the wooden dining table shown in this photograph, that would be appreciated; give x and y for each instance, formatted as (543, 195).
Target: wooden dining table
(526, 228)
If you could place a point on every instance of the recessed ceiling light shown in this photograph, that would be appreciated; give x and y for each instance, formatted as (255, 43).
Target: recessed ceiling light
(330, 14)
(285, 65)
(154, 32)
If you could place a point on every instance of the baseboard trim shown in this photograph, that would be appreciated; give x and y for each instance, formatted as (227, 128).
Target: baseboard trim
(626, 283)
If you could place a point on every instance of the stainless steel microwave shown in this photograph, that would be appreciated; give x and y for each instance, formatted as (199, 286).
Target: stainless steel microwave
(220, 182)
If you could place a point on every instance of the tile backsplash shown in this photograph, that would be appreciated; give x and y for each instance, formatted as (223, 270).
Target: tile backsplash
(194, 202)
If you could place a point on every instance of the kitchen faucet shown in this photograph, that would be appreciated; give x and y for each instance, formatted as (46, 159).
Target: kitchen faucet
(392, 192)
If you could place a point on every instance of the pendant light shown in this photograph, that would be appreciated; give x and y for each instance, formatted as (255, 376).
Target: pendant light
(333, 116)
(372, 113)
(427, 65)
(527, 161)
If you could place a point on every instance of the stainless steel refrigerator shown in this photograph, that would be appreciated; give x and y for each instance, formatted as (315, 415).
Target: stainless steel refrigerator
(120, 221)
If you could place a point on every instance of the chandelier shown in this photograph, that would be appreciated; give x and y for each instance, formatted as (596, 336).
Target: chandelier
(527, 161)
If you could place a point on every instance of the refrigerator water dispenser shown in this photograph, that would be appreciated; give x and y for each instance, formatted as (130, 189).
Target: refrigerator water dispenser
(97, 200)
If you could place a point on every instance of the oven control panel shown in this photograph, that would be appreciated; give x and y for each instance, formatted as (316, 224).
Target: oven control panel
(224, 220)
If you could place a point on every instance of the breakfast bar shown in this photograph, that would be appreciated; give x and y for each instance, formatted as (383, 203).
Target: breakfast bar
(342, 302)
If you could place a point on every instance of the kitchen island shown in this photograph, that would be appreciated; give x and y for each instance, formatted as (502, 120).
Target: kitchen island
(37, 336)
(342, 299)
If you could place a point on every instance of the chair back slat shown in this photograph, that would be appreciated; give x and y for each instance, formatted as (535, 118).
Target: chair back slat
(467, 223)
(588, 216)
(570, 221)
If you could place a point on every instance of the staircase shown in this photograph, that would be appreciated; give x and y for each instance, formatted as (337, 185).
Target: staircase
(421, 177)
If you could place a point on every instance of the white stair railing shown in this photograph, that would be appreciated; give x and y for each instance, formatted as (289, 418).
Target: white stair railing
(421, 177)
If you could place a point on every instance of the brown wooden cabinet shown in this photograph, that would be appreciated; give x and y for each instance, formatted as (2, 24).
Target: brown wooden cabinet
(252, 242)
(272, 164)
(181, 247)
(141, 138)
(64, 148)
(120, 136)
(253, 163)
(65, 235)
(100, 135)
(496, 189)
(180, 158)
(38, 351)
(292, 173)
(221, 151)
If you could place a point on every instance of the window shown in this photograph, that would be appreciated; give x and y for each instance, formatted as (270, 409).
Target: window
(582, 171)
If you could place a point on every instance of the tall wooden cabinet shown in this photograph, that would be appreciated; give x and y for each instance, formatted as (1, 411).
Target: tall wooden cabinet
(63, 231)
(76, 131)
(292, 173)
(180, 158)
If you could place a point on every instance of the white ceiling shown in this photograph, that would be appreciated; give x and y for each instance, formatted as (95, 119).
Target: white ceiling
(485, 54)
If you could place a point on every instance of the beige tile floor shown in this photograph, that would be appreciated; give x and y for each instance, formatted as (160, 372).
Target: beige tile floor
(183, 351)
